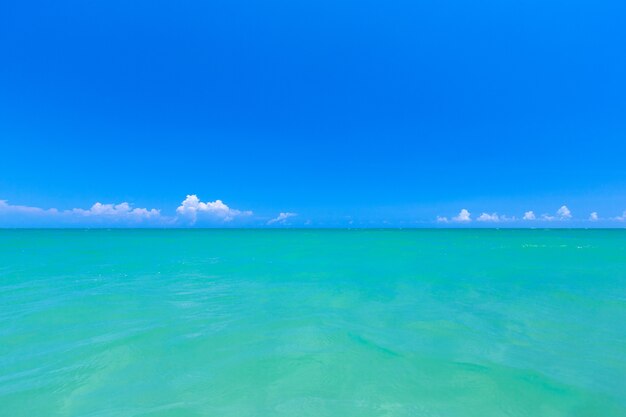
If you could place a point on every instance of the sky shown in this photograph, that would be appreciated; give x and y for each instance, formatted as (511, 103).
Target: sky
(312, 113)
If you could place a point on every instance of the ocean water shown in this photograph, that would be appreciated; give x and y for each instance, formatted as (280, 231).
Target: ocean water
(313, 323)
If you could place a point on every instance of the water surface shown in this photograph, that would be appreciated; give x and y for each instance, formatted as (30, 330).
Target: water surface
(318, 323)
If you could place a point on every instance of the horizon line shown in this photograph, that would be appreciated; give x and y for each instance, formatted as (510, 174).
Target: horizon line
(311, 228)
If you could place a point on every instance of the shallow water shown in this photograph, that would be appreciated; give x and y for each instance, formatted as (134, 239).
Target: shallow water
(313, 323)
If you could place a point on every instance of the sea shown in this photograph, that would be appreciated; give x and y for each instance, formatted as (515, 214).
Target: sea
(337, 323)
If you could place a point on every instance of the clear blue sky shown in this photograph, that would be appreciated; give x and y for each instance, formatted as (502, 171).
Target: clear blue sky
(346, 113)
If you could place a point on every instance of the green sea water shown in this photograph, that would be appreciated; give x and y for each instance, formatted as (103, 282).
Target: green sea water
(300, 323)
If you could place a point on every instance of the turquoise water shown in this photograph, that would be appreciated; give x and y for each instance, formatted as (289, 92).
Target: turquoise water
(313, 323)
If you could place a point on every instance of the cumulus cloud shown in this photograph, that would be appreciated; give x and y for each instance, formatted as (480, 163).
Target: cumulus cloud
(190, 210)
(191, 207)
(621, 218)
(463, 216)
(564, 213)
(593, 217)
(122, 210)
(281, 218)
(97, 214)
(486, 217)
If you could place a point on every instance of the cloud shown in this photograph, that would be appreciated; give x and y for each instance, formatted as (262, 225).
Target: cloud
(593, 217)
(191, 207)
(485, 217)
(564, 213)
(6, 208)
(122, 210)
(97, 214)
(464, 216)
(281, 218)
(190, 210)
(621, 218)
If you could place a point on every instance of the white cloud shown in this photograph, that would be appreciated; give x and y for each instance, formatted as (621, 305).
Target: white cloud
(442, 219)
(464, 216)
(529, 215)
(98, 213)
(486, 217)
(6, 208)
(192, 206)
(102, 214)
(621, 218)
(281, 218)
(122, 210)
(593, 217)
(564, 213)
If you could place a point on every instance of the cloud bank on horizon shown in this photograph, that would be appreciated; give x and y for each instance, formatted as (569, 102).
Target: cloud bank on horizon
(194, 212)
(563, 214)
(190, 212)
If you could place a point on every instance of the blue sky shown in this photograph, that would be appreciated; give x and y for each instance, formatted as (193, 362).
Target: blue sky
(335, 114)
